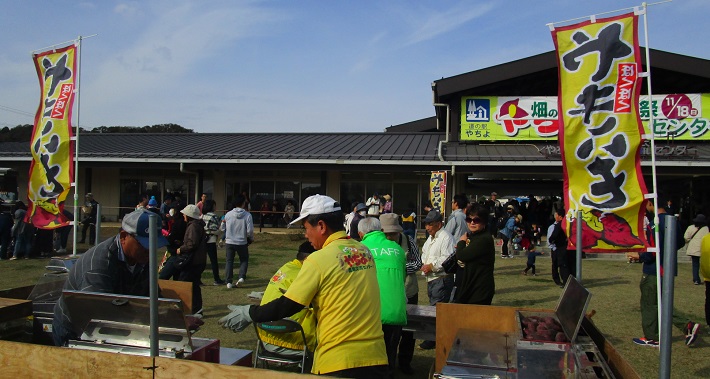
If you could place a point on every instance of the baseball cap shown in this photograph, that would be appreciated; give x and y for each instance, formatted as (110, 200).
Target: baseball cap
(137, 224)
(390, 223)
(432, 216)
(361, 207)
(316, 205)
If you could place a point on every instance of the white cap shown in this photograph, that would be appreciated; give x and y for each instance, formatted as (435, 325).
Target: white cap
(191, 211)
(316, 205)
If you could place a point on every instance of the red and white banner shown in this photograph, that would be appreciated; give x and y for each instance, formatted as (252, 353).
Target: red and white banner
(601, 133)
(52, 167)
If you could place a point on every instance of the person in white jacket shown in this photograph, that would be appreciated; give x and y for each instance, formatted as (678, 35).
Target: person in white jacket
(238, 228)
(436, 249)
(693, 238)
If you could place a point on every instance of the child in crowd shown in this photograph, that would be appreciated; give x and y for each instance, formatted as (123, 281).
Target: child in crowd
(536, 232)
(532, 254)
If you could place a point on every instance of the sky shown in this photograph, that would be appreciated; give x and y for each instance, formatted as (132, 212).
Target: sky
(290, 66)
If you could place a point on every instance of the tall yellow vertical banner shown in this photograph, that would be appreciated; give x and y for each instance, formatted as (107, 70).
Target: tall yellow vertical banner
(52, 168)
(437, 191)
(601, 133)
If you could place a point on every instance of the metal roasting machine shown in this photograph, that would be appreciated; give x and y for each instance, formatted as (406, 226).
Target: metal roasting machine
(544, 345)
(121, 323)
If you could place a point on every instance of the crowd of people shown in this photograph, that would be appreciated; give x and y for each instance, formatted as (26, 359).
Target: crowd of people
(351, 282)
(366, 245)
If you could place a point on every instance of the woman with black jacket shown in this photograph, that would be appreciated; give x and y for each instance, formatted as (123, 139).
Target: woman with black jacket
(192, 254)
(476, 255)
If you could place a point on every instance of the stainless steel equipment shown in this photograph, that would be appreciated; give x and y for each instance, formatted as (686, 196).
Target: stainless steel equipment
(537, 353)
(121, 323)
(421, 320)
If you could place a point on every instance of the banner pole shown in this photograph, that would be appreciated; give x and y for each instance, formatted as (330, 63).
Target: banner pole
(578, 245)
(76, 147)
(656, 232)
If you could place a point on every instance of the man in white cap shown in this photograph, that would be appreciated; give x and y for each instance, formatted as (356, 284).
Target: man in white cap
(117, 265)
(340, 281)
(436, 249)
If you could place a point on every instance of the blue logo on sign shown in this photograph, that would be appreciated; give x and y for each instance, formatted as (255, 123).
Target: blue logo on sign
(478, 110)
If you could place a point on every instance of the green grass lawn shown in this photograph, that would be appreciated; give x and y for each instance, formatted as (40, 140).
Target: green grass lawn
(613, 284)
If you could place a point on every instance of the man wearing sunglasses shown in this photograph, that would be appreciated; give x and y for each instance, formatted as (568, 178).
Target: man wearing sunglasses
(118, 265)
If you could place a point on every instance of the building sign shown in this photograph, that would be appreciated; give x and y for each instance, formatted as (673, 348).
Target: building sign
(52, 168)
(677, 116)
(600, 133)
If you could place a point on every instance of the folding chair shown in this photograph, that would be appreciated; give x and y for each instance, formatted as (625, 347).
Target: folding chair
(285, 325)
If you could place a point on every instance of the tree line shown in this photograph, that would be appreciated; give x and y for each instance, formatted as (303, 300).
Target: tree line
(23, 133)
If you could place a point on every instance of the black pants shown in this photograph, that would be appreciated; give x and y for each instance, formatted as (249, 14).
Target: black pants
(707, 303)
(392, 336)
(168, 271)
(555, 267)
(193, 274)
(89, 224)
(406, 342)
(367, 372)
(212, 254)
(530, 266)
(504, 250)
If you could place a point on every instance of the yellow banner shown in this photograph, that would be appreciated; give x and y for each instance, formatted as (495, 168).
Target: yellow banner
(501, 118)
(52, 169)
(601, 132)
(437, 191)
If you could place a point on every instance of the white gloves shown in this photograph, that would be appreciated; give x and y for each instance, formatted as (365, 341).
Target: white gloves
(238, 319)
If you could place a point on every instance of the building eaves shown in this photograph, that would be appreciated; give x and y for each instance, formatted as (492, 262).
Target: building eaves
(693, 67)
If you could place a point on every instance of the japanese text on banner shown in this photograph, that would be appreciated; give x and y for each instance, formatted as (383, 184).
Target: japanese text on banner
(600, 132)
(437, 191)
(52, 169)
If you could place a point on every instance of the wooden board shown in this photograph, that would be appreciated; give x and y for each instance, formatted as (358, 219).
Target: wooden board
(452, 317)
(173, 289)
(179, 369)
(23, 360)
(11, 309)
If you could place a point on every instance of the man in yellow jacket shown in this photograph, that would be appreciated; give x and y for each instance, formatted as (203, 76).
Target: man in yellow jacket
(290, 343)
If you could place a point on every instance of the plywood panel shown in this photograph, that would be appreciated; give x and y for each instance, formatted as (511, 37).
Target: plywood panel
(173, 289)
(452, 317)
(179, 369)
(22, 360)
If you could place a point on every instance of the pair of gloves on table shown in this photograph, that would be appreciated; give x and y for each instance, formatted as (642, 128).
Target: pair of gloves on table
(238, 319)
